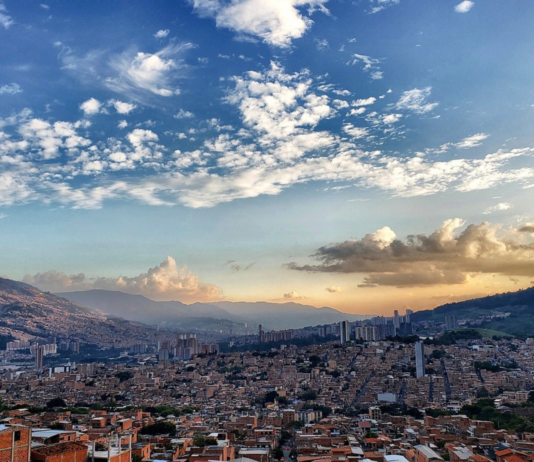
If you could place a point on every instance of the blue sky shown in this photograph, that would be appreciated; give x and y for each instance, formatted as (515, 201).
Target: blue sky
(367, 155)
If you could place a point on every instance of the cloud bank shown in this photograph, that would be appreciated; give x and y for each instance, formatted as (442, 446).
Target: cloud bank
(445, 257)
(167, 281)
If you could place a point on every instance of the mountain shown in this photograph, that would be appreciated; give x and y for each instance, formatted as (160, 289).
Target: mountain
(28, 313)
(518, 306)
(141, 309)
(286, 315)
(271, 315)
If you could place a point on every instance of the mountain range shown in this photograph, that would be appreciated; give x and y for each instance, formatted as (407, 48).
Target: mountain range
(173, 313)
(28, 313)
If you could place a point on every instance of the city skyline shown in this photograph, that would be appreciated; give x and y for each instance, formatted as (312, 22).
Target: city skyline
(370, 156)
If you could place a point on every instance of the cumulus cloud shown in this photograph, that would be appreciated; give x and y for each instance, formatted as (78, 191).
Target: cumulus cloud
(91, 106)
(293, 296)
(166, 281)
(445, 257)
(364, 101)
(277, 23)
(528, 228)
(282, 141)
(497, 208)
(464, 7)
(333, 289)
(162, 33)
(184, 115)
(122, 107)
(415, 100)
(10, 89)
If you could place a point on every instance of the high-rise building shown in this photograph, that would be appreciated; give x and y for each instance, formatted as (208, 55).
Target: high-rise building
(39, 359)
(451, 323)
(261, 333)
(419, 359)
(344, 332)
(408, 314)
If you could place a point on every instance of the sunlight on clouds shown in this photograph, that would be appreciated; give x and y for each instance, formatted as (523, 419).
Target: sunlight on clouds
(497, 208)
(167, 281)
(445, 257)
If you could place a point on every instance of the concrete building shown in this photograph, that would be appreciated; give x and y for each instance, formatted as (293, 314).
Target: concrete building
(344, 335)
(419, 359)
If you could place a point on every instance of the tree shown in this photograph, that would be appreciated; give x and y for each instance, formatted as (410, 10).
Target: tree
(124, 375)
(56, 402)
(159, 428)
(308, 395)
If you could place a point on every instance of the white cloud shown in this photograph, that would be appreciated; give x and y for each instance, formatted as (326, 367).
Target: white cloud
(416, 100)
(334, 289)
(497, 208)
(379, 5)
(162, 33)
(136, 75)
(391, 118)
(91, 106)
(275, 22)
(357, 112)
(10, 89)
(184, 115)
(355, 132)
(122, 124)
(472, 141)
(369, 65)
(5, 20)
(364, 102)
(122, 107)
(166, 281)
(464, 7)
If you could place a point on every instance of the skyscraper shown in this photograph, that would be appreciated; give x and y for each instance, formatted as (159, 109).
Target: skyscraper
(39, 358)
(419, 359)
(344, 332)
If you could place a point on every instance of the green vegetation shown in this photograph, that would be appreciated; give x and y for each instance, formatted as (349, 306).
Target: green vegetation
(165, 410)
(452, 336)
(489, 366)
(484, 409)
(200, 440)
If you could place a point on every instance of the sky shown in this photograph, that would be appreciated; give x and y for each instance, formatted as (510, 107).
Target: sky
(367, 155)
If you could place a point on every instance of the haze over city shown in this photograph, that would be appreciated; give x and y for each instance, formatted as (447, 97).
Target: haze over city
(367, 156)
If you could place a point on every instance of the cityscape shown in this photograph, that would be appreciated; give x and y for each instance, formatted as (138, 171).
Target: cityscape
(266, 231)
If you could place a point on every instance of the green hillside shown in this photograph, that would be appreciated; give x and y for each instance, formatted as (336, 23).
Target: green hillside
(519, 305)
